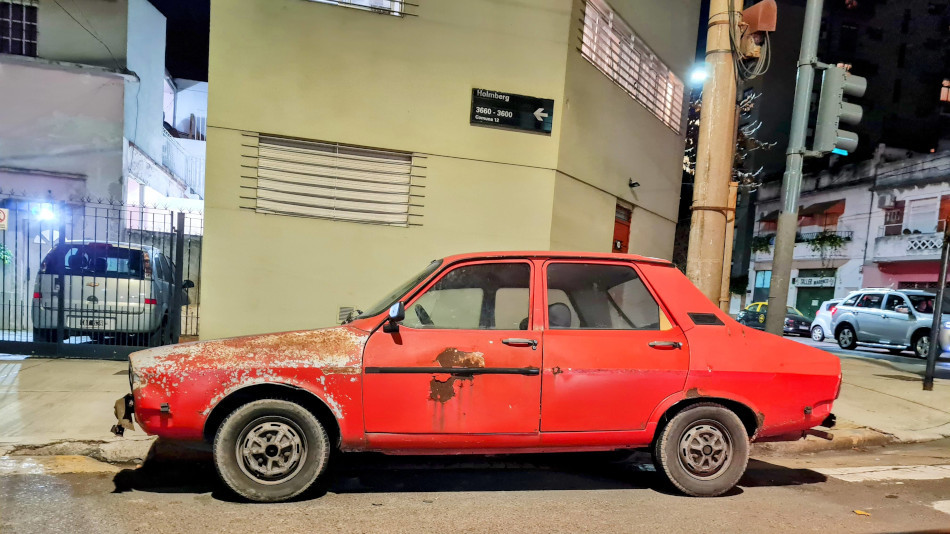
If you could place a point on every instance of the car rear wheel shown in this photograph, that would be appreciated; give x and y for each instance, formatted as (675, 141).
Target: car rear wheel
(817, 333)
(271, 450)
(703, 451)
(921, 344)
(847, 339)
(45, 335)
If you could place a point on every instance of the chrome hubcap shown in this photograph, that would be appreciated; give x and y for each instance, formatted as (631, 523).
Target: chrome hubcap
(705, 450)
(271, 450)
(923, 346)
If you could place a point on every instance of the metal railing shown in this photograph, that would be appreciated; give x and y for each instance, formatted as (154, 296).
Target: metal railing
(186, 167)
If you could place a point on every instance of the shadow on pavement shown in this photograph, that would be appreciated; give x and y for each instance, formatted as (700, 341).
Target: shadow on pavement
(377, 473)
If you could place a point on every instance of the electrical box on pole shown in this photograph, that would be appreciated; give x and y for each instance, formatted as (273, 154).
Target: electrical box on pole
(836, 84)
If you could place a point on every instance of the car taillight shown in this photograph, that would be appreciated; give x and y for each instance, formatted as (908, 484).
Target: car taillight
(151, 301)
(37, 295)
(833, 309)
(789, 322)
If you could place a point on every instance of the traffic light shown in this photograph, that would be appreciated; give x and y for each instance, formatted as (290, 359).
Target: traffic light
(836, 84)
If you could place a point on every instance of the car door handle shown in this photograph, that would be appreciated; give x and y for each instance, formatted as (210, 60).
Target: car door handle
(666, 345)
(521, 342)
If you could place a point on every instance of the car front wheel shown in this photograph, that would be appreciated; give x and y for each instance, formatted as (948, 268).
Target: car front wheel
(921, 344)
(271, 450)
(847, 339)
(703, 451)
(817, 333)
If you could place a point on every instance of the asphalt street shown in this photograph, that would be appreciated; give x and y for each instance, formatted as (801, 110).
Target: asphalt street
(906, 361)
(901, 489)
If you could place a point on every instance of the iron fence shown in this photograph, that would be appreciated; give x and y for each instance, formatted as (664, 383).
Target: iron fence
(91, 279)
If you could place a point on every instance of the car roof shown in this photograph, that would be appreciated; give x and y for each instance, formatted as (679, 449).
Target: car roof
(554, 255)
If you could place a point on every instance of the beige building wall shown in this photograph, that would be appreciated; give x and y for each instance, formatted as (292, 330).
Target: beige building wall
(320, 72)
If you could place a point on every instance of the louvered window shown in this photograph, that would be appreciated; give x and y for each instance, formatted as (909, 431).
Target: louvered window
(611, 46)
(333, 181)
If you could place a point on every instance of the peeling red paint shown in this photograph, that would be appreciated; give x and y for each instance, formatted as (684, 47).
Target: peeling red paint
(444, 390)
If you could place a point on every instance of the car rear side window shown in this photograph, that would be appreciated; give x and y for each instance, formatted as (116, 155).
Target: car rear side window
(603, 297)
(851, 301)
(100, 260)
(870, 300)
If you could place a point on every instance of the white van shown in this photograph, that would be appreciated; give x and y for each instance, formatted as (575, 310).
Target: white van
(118, 290)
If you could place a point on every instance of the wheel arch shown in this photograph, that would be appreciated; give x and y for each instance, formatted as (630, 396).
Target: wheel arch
(919, 331)
(747, 415)
(253, 392)
(841, 325)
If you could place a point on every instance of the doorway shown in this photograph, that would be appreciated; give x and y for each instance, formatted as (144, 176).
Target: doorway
(622, 230)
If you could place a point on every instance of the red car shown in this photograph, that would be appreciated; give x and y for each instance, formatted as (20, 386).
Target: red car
(494, 353)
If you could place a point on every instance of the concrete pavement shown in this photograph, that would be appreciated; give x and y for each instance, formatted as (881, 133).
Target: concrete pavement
(62, 406)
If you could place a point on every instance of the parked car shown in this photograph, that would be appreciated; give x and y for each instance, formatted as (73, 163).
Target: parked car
(109, 289)
(795, 321)
(822, 323)
(896, 320)
(494, 353)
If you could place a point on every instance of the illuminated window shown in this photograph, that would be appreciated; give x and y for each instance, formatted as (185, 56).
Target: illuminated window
(611, 46)
(945, 91)
(387, 7)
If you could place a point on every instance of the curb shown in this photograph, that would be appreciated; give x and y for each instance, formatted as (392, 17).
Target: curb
(844, 439)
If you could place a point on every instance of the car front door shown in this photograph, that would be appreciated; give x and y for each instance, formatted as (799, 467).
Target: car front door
(610, 352)
(464, 360)
(867, 312)
(896, 326)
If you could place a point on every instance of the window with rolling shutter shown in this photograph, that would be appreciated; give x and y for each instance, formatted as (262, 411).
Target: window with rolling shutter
(334, 181)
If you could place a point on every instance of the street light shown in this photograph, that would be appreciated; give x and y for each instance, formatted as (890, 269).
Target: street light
(698, 75)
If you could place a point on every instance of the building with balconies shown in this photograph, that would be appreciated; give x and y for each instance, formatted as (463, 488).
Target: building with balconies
(876, 223)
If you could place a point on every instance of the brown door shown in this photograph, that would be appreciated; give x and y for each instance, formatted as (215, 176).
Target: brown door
(621, 230)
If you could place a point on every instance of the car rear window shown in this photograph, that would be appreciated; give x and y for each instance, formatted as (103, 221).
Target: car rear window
(100, 260)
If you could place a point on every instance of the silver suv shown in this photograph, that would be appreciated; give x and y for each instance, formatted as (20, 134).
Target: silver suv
(111, 290)
(887, 319)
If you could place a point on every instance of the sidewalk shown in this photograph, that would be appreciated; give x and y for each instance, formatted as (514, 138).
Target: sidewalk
(61, 406)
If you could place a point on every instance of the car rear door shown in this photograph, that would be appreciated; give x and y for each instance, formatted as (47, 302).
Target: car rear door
(867, 312)
(610, 352)
(465, 359)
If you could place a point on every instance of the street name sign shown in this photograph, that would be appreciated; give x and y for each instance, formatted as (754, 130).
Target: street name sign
(508, 110)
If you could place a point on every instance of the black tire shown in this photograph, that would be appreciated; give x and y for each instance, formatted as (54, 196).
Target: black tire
(159, 336)
(920, 344)
(308, 450)
(697, 424)
(847, 338)
(817, 333)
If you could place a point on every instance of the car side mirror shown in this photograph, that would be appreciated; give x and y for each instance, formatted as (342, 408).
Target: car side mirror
(397, 312)
(187, 284)
(902, 309)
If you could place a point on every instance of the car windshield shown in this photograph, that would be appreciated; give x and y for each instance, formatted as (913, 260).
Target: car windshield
(394, 296)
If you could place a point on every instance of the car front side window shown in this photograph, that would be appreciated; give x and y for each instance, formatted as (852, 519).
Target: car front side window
(491, 296)
(893, 301)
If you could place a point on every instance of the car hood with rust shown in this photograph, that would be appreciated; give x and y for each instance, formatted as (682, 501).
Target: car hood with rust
(336, 349)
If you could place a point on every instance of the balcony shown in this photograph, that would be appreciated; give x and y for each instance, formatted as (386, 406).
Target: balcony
(185, 158)
(808, 245)
(908, 247)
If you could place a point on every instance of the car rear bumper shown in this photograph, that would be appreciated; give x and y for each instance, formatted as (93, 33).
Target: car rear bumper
(86, 321)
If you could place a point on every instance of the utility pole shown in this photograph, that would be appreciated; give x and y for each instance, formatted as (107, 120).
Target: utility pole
(792, 181)
(724, 294)
(935, 348)
(715, 153)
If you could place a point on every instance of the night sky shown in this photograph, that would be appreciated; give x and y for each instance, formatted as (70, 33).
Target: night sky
(186, 47)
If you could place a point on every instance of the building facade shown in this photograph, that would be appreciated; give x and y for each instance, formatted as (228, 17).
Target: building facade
(344, 151)
(878, 223)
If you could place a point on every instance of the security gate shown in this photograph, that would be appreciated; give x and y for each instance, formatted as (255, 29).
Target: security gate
(97, 280)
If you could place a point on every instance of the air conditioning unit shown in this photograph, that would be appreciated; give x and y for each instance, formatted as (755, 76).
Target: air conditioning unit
(886, 201)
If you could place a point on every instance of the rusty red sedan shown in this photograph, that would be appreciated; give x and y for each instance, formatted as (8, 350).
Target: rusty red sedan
(494, 353)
